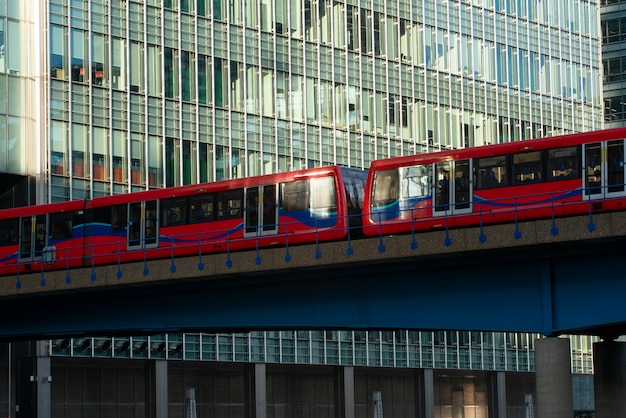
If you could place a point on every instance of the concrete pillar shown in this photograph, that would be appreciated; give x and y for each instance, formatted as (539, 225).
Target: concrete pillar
(429, 394)
(32, 380)
(348, 392)
(554, 378)
(609, 365)
(44, 379)
(501, 394)
(260, 390)
(157, 401)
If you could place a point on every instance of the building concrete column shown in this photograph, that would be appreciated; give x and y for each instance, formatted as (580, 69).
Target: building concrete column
(43, 377)
(260, 390)
(157, 401)
(429, 394)
(348, 392)
(32, 380)
(609, 365)
(554, 378)
(501, 394)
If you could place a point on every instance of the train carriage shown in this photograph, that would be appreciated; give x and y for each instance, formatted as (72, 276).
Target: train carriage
(537, 178)
(29, 235)
(303, 206)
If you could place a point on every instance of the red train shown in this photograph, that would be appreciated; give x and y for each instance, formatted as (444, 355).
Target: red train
(300, 206)
(538, 178)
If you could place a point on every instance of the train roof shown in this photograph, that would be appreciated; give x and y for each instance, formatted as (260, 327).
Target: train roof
(220, 185)
(69, 206)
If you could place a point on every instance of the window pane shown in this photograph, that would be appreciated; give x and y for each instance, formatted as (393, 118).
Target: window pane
(57, 52)
(491, 172)
(118, 70)
(563, 163)
(136, 67)
(14, 48)
(188, 76)
(295, 196)
(99, 65)
(527, 167)
(80, 151)
(173, 211)
(100, 154)
(2, 46)
(201, 208)
(78, 56)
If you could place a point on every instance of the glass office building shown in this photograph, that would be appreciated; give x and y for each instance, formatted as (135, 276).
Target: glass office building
(303, 372)
(613, 13)
(102, 97)
(452, 350)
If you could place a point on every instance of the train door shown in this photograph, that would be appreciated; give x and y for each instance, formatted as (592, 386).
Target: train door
(33, 237)
(452, 188)
(261, 215)
(143, 225)
(604, 174)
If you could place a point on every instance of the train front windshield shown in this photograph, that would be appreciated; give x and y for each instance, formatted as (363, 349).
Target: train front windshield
(385, 188)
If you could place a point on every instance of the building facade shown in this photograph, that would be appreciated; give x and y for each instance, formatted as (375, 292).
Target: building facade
(287, 374)
(102, 97)
(613, 23)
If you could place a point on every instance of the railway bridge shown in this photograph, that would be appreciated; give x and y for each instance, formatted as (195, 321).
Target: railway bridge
(553, 276)
(563, 276)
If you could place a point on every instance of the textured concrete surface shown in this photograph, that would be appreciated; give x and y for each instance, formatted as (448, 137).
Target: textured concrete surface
(609, 361)
(554, 378)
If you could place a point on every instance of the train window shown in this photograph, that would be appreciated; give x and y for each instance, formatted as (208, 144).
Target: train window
(441, 189)
(173, 211)
(229, 204)
(61, 226)
(323, 194)
(415, 181)
(295, 196)
(563, 163)
(9, 231)
(100, 215)
(201, 207)
(118, 218)
(355, 189)
(490, 172)
(527, 167)
(385, 187)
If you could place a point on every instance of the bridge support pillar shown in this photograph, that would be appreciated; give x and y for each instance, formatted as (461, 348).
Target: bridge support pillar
(43, 380)
(609, 364)
(260, 392)
(500, 394)
(554, 378)
(348, 392)
(429, 393)
(32, 380)
(156, 389)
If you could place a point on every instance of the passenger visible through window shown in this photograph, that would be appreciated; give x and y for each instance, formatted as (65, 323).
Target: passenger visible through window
(490, 172)
(527, 167)
(563, 163)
